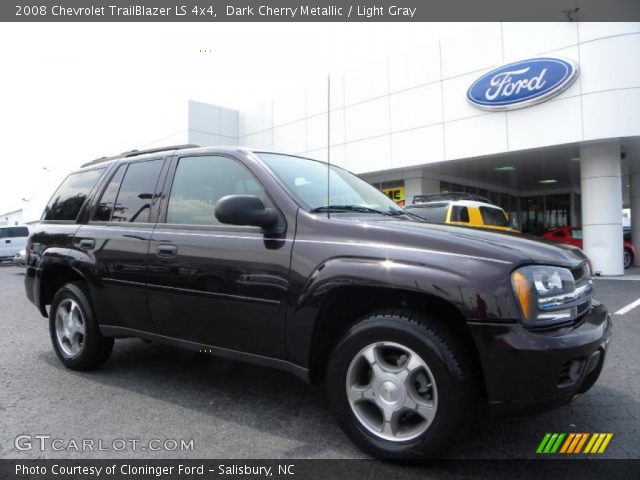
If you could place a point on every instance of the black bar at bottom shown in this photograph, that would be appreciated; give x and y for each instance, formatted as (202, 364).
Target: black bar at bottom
(546, 469)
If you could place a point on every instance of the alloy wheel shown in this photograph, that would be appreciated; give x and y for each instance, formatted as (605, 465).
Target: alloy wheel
(70, 327)
(391, 391)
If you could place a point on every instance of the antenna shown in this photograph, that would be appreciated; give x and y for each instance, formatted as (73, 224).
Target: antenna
(328, 143)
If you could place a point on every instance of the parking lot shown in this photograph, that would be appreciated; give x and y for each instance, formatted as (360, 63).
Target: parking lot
(232, 410)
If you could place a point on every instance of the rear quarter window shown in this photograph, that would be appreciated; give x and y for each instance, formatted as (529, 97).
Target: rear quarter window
(71, 195)
(436, 212)
(494, 217)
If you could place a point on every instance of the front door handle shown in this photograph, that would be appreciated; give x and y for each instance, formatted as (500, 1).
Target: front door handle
(166, 250)
(7, 241)
(87, 243)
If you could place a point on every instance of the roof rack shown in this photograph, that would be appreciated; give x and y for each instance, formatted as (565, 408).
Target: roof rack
(433, 197)
(133, 153)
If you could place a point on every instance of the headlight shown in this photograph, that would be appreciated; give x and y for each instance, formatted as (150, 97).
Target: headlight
(547, 295)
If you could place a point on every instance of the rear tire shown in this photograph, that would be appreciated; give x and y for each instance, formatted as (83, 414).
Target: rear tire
(627, 258)
(419, 394)
(74, 330)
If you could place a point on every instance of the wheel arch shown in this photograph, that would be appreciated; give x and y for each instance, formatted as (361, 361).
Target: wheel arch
(53, 277)
(345, 305)
(632, 251)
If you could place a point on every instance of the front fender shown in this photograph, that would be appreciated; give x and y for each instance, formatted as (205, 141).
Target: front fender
(484, 296)
(375, 272)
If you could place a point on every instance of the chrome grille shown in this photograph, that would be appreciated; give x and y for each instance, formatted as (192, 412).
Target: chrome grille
(583, 282)
(581, 275)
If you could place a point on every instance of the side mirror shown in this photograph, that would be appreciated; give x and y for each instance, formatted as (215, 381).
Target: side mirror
(245, 210)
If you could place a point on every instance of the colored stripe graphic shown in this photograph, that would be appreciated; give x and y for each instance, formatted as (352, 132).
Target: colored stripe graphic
(572, 443)
(543, 443)
(567, 443)
(556, 446)
(550, 443)
(591, 443)
(607, 439)
(580, 443)
(598, 443)
(585, 436)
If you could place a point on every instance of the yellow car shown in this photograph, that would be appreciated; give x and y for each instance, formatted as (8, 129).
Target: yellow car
(460, 209)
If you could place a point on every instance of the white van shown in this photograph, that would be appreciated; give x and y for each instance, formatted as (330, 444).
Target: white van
(12, 240)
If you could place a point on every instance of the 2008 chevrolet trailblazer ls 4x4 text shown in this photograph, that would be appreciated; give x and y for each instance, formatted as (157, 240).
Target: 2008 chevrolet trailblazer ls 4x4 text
(289, 263)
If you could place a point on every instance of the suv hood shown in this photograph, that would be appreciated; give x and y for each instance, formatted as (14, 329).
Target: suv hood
(513, 247)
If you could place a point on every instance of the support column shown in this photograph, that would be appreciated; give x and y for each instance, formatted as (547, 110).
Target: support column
(633, 156)
(601, 184)
(635, 213)
(418, 186)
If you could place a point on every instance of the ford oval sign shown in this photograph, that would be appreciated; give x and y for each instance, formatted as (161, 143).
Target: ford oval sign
(522, 84)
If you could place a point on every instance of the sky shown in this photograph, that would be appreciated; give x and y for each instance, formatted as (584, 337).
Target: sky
(72, 92)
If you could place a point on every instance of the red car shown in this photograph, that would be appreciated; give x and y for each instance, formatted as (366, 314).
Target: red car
(573, 236)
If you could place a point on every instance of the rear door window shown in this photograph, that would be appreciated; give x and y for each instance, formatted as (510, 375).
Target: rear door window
(71, 195)
(137, 189)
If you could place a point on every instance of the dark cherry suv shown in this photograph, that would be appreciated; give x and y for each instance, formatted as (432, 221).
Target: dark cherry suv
(290, 263)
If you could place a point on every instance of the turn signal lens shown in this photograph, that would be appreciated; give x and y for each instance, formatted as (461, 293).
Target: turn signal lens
(522, 290)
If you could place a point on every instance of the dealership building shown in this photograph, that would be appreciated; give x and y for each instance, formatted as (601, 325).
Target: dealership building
(553, 147)
(565, 157)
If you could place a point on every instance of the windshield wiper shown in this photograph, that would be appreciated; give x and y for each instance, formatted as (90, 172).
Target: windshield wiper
(348, 208)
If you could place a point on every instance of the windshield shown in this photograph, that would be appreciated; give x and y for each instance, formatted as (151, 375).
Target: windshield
(306, 180)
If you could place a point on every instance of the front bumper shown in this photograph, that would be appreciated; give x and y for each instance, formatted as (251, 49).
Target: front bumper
(527, 371)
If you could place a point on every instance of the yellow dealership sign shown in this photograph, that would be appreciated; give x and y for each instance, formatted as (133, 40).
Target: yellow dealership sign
(396, 194)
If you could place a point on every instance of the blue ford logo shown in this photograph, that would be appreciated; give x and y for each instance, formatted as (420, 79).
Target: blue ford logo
(522, 84)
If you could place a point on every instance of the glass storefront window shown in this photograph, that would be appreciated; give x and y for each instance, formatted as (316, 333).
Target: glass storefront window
(532, 214)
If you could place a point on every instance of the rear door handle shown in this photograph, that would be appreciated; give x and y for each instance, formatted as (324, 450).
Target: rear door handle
(87, 243)
(166, 250)
(7, 241)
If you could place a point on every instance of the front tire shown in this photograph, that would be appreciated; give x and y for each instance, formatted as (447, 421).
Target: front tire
(74, 330)
(401, 385)
(627, 258)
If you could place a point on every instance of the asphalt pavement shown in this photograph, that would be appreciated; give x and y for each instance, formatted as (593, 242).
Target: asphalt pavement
(158, 397)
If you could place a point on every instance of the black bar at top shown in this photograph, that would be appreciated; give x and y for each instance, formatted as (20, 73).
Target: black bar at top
(318, 10)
